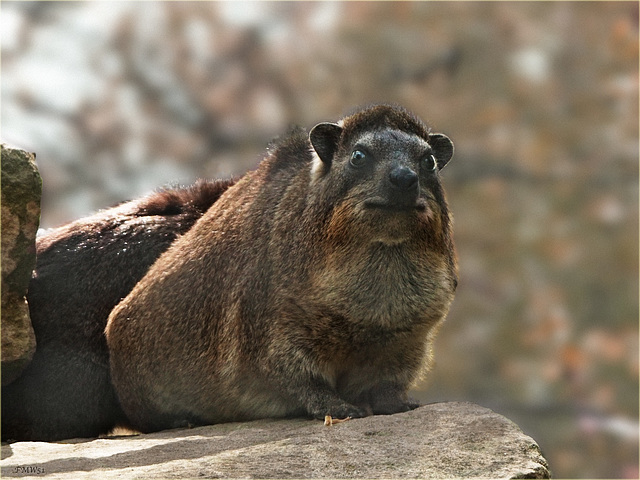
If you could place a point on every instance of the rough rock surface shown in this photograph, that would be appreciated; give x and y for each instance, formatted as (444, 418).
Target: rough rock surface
(21, 191)
(442, 440)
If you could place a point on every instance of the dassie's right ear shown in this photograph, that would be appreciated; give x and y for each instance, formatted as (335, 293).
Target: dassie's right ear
(324, 138)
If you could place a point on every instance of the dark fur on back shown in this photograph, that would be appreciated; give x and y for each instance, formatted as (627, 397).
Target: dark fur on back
(83, 270)
(191, 201)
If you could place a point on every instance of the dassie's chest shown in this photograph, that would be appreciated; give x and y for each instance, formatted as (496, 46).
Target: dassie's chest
(389, 287)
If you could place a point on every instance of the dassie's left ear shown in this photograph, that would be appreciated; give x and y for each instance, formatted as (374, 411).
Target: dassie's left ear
(324, 138)
(442, 147)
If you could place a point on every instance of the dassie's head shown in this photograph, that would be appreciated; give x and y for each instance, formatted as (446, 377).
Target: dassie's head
(380, 168)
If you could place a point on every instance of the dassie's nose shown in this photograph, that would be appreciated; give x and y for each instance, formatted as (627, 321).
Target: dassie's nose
(403, 178)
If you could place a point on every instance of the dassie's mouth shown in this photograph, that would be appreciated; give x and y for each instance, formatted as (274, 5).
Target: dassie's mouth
(379, 204)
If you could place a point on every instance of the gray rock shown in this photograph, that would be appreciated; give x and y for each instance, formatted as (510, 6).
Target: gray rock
(21, 191)
(442, 440)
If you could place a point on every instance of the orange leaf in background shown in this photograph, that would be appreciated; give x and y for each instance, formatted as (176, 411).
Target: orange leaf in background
(573, 359)
(624, 39)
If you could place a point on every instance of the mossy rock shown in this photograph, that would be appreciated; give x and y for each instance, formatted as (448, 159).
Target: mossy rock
(21, 193)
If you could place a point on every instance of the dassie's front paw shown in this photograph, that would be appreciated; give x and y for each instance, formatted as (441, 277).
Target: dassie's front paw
(391, 407)
(342, 410)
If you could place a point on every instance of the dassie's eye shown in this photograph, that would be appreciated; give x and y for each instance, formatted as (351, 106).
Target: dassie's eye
(431, 163)
(358, 158)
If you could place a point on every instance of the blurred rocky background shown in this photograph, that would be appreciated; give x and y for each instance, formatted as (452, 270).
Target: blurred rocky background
(540, 98)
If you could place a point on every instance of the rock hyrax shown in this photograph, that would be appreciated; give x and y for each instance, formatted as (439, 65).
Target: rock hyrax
(314, 286)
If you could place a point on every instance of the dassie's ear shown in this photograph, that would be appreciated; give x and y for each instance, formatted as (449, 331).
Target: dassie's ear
(442, 147)
(324, 138)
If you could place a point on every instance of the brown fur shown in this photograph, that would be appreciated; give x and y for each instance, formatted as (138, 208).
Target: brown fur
(311, 287)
